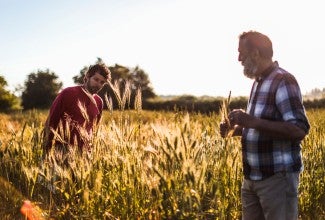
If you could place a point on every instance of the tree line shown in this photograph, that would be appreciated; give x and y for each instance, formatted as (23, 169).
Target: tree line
(41, 88)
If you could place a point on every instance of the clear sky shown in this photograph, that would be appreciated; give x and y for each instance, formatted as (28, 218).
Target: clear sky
(185, 46)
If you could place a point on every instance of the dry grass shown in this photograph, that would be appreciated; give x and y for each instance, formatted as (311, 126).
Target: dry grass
(143, 165)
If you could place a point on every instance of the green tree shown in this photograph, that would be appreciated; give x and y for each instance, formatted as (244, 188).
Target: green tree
(40, 90)
(141, 80)
(8, 101)
(135, 78)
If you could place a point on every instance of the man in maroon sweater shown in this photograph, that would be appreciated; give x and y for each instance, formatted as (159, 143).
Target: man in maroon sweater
(75, 112)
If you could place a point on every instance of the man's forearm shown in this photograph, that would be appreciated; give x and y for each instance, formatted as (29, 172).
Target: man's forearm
(279, 129)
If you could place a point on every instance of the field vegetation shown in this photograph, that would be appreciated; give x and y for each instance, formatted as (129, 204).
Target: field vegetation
(143, 165)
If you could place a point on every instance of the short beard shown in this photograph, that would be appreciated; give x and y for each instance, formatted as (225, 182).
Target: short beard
(90, 89)
(250, 68)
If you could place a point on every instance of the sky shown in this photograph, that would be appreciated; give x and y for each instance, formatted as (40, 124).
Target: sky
(186, 47)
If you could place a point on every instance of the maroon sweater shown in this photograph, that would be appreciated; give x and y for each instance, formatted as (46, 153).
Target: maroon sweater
(79, 112)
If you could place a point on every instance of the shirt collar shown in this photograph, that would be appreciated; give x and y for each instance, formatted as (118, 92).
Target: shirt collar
(267, 71)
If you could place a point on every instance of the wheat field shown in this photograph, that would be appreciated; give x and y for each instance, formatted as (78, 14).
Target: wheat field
(143, 165)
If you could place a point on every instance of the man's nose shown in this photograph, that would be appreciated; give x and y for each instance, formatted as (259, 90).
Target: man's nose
(240, 57)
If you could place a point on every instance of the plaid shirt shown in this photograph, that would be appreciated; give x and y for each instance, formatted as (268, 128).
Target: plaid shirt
(276, 96)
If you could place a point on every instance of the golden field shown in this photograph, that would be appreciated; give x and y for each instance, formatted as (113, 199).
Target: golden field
(143, 165)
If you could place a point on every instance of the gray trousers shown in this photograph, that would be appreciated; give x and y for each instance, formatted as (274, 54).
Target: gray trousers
(275, 198)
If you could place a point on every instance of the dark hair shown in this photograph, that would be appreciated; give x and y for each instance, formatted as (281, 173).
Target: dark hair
(100, 68)
(259, 41)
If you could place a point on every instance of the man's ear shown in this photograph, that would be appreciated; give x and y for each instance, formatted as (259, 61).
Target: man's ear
(255, 54)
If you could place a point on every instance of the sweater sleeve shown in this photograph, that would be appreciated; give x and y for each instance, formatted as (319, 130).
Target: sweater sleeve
(52, 122)
(100, 104)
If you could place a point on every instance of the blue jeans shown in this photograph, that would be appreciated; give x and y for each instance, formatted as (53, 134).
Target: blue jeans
(275, 198)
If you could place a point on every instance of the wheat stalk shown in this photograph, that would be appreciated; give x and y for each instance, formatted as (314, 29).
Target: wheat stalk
(224, 112)
(138, 100)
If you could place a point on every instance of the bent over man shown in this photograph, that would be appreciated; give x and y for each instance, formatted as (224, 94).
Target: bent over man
(75, 112)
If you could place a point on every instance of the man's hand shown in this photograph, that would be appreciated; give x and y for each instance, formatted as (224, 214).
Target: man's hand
(241, 118)
(224, 129)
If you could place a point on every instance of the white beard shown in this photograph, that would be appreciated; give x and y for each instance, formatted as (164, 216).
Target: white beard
(250, 68)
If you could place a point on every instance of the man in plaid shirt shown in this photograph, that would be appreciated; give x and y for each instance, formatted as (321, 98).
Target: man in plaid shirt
(272, 129)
